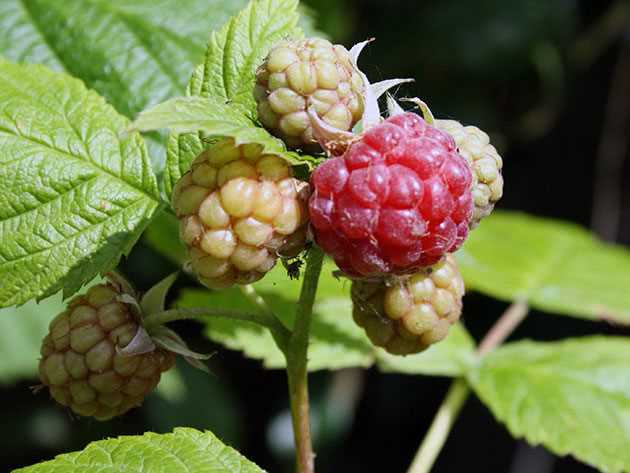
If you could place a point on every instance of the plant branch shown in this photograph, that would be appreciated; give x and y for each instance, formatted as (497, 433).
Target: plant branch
(503, 327)
(279, 332)
(457, 394)
(296, 356)
(440, 427)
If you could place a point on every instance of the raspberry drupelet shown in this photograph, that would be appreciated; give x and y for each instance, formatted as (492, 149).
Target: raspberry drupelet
(398, 200)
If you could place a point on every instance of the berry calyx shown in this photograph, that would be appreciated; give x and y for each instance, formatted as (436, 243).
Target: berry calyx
(82, 364)
(239, 210)
(308, 74)
(408, 315)
(485, 162)
(399, 199)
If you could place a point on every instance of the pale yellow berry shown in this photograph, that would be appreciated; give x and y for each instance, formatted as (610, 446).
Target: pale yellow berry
(238, 196)
(294, 124)
(284, 101)
(247, 258)
(212, 212)
(219, 243)
(253, 232)
(269, 202)
(289, 218)
(397, 302)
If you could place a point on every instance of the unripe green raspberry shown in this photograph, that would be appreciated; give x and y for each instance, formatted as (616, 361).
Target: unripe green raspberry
(485, 162)
(81, 363)
(239, 210)
(297, 75)
(410, 314)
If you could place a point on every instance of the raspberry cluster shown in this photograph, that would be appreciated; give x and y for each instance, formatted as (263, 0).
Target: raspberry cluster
(410, 314)
(81, 364)
(239, 210)
(485, 162)
(398, 200)
(298, 75)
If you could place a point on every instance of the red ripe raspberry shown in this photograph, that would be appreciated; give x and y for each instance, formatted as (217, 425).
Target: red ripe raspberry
(398, 200)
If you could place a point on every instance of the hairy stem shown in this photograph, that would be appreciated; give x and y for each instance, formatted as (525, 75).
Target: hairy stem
(296, 355)
(457, 394)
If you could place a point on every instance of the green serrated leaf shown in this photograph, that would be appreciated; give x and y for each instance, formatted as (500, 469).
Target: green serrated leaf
(134, 53)
(240, 46)
(556, 266)
(183, 450)
(75, 195)
(228, 71)
(336, 341)
(573, 397)
(215, 119)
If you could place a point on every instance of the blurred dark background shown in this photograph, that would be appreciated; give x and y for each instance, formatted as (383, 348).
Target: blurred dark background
(550, 81)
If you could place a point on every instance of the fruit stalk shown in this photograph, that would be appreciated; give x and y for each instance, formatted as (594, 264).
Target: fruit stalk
(457, 394)
(296, 356)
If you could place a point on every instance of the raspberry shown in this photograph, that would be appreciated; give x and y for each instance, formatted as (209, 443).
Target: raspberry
(486, 164)
(297, 75)
(80, 362)
(239, 209)
(398, 200)
(413, 313)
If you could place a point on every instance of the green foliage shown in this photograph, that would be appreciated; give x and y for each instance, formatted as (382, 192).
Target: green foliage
(228, 71)
(215, 119)
(336, 341)
(83, 193)
(184, 449)
(133, 53)
(572, 396)
(555, 266)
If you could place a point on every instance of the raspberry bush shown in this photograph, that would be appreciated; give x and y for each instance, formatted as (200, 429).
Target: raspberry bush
(279, 153)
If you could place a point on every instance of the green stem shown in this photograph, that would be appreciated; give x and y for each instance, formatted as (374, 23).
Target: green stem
(457, 394)
(440, 428)
(161, 318)
(279, 332)
(296, 355)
